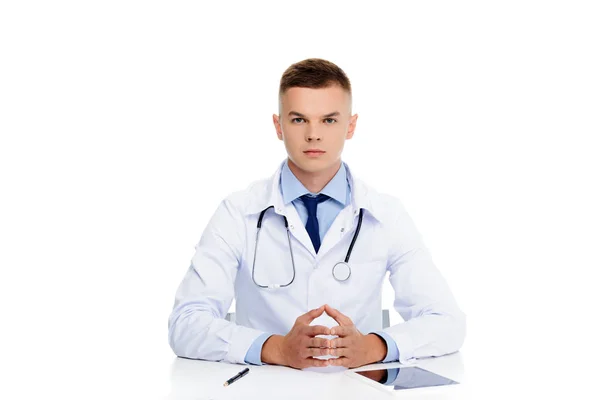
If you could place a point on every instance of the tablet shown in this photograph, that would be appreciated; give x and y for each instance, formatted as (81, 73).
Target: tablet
(401, 379)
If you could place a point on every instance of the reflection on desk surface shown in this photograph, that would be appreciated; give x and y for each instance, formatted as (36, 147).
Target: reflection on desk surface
(197, 379)
(407, 378)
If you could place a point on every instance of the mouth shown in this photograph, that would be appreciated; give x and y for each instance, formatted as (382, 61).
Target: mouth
(314, 153)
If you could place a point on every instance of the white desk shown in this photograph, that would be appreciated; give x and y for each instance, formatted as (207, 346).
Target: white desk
(200, 380)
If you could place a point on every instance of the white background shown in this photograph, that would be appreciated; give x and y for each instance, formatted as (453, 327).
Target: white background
(124, 123)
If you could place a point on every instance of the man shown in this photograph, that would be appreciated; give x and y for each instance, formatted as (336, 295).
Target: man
(290, 275)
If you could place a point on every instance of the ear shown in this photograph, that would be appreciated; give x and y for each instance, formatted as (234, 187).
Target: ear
(351, 126)
(277, 126)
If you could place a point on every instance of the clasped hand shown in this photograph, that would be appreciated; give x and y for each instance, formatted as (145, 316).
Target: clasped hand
(298, 348)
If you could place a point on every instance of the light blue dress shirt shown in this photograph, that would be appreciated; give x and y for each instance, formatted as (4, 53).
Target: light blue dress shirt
(338, 189)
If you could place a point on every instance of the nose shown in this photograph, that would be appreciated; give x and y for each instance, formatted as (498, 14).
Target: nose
(312, 134)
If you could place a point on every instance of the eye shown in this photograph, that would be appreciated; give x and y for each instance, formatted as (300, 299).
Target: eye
(330, 119)
(293, 120)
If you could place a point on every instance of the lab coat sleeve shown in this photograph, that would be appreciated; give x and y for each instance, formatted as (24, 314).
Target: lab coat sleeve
(433, 323)
(197, 325)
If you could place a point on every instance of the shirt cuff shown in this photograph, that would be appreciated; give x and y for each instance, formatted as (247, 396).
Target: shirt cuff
(392, 349)
(255, 350)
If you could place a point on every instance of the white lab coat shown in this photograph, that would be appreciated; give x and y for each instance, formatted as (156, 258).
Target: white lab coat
(388, 241)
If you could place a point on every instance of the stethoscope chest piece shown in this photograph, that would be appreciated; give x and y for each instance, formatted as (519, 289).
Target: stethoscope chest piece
(341, 271)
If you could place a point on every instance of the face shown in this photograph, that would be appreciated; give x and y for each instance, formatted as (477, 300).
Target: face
(315, 119)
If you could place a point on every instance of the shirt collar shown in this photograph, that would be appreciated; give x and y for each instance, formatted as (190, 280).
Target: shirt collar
(266, 193)
(291, 188)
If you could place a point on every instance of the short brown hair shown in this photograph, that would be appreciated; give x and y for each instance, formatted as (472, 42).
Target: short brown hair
(314, 73)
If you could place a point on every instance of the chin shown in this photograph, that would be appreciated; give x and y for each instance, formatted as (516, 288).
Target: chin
(314, 165)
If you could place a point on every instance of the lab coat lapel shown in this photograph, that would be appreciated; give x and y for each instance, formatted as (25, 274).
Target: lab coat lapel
(272, 197)
(347, 220)
(297, 229)
(338, 229)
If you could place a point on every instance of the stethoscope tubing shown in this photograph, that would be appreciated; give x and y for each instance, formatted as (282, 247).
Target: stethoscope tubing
(348, 253)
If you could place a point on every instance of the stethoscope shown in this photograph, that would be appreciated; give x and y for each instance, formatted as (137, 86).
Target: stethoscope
(340, 271)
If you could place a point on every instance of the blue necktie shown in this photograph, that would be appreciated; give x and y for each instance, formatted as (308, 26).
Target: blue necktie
(312, 224)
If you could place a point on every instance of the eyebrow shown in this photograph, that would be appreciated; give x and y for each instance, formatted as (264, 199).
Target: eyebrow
(333, 114)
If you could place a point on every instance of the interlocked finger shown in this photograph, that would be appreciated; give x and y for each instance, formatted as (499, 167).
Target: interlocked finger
(316, 352)
(343, 331)
(315, 330)
(341, 352)
(340, 342)
(318, 342)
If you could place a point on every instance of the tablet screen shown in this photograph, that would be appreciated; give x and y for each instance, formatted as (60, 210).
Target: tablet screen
(406, 378)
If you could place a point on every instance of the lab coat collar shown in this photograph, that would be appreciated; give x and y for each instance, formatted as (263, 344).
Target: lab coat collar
(267, 194)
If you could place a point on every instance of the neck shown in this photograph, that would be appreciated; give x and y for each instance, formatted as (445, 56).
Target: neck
(314, 181)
